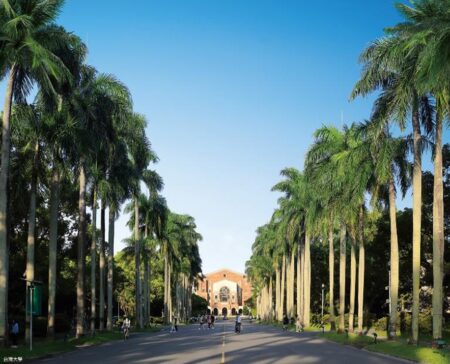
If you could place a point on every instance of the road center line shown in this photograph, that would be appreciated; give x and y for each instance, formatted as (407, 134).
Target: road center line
(223, 345)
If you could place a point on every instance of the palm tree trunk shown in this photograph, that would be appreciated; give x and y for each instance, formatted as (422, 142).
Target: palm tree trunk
(81, 255)
(31, 234)
(283, 286)
(299, 295)
(169, 291)
(394, 262)
(93, 257)
(288, 289)
(101, 303)
(137, 257)
(166, 283)
(145, 288)
(438, 230)
(270, 303)
(342, 256)
(302, 284)
(417, 217)
(361, 272)
(331, 276)
(307, 284)
(277, 293)
(351, 317)
(4, 173)
(292, 283)
(111, 223)
(52, 248)
(149, 304)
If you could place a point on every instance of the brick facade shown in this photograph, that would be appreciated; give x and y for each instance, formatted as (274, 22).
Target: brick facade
(226, 291)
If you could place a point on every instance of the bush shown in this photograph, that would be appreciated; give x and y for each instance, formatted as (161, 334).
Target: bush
(199, 305)
(381, 324)
(425, 322)
(246, 311)
(157, 320)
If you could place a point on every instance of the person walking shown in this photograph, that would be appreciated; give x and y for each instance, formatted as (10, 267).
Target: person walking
(202, 319)
(213, 319)
(237, 328)
(174, 324)
(14, 333)
(208, 318)
(285, 323)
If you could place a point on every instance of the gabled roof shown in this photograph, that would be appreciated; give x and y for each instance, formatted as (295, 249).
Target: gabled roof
(224, 270)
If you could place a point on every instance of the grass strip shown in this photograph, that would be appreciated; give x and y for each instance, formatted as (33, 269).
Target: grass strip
(397, 348)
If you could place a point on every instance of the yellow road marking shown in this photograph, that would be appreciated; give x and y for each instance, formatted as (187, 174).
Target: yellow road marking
(223, 345)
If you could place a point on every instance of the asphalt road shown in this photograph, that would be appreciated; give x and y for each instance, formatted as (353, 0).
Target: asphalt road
(256, 344)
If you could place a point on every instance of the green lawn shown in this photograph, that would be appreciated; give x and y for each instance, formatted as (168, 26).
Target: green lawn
(45, 347)
(399, 348)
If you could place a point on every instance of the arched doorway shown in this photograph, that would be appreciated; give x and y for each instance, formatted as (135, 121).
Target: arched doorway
(216, 311)
(208, 311)
(233, 311)
(224, 311)
(240, 311)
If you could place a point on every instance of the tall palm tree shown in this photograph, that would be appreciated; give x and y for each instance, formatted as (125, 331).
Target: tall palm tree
(321, 172)
(28, 39)
(140, 156)
(426, 29)
(390, 66)
(116, 190)
(27, 121)
(93, 104)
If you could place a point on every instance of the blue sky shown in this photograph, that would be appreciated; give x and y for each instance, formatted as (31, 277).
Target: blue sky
(233, 91)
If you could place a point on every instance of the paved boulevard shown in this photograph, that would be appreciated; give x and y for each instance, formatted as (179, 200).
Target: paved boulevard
(256, 344)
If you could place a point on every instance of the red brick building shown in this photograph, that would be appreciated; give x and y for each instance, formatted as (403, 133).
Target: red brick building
(226, 291)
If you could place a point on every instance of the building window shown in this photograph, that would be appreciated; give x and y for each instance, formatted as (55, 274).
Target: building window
(224, 275)
(224, 294)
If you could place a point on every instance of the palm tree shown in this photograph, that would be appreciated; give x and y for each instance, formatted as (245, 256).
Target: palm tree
(426, 29)
(28, 41)
(116, 190)
(140, 156)
(30, 118)
(390, 66)
(94, 103)
(321, 172)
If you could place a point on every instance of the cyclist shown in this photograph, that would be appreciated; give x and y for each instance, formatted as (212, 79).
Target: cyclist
(126, 327)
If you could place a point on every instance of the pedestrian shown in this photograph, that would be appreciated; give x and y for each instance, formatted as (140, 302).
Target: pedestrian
(209, 321)
(237, 328)
(298, 324)
(213, 319)
(14, 333)
(202, 319)
(174, 327)
(285, 323)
